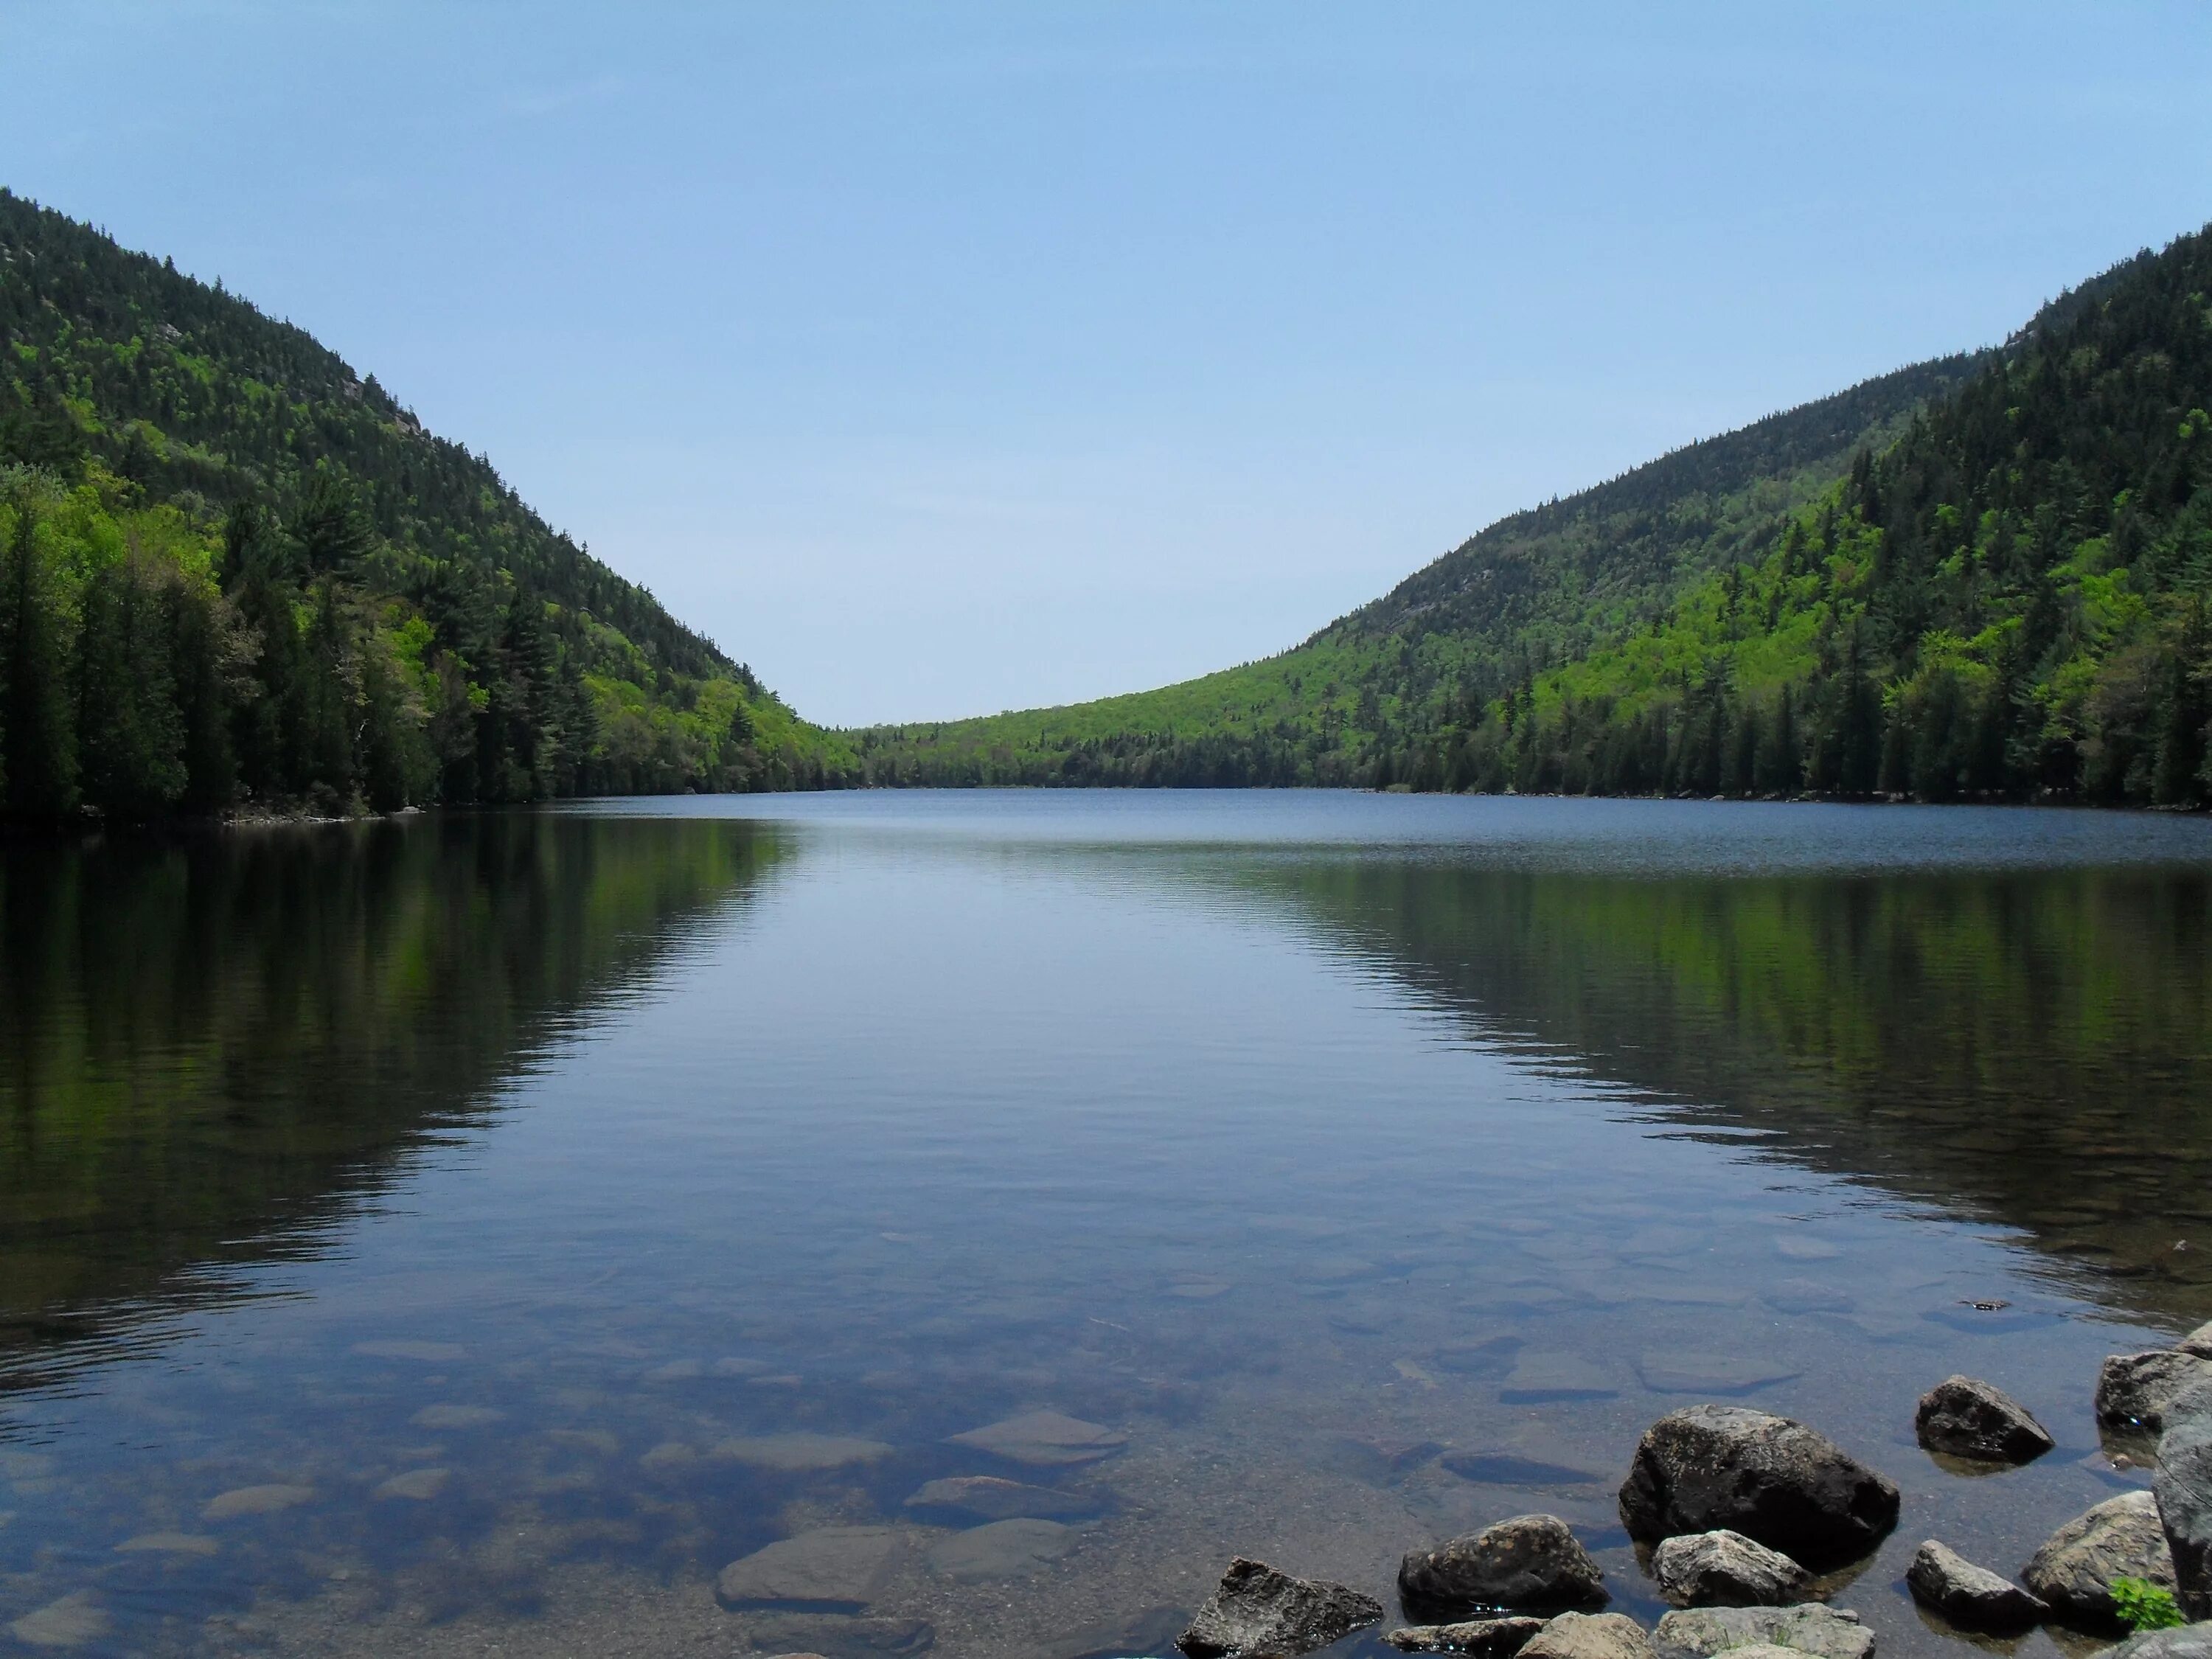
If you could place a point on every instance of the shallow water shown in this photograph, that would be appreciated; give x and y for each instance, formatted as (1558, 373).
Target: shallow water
(470, 1235)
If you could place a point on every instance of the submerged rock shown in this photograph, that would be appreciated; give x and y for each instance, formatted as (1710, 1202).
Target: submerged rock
(2183, 1488)
(1709, 1468)
(1511, 1469)
(2133, 1391)
(1725, 1569)
(1531, 1561)
(1545, 1377)
(990, 1498)
(1686, 1372)
(831, 1566)
(841, 1635)
(424, 1353)
(457, 1417)
(1699, 1632)
(1258, 1610)
(255, 1500)
(2119, 1538)
(1590, 1635)
(168, 1543)
(1487, 1639)
(1004, 1549)
(420, 1485)
(802, 1453)
(1971, 1597)
(1965, 1417)
(1044, 1440)
(71, 1622)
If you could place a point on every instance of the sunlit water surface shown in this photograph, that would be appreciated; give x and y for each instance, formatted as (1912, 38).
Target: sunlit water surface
(470, 1235)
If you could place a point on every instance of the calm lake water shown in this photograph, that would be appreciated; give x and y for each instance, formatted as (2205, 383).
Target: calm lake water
(470, 1235)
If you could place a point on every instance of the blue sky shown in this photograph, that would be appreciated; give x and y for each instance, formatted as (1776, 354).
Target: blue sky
(940, 359)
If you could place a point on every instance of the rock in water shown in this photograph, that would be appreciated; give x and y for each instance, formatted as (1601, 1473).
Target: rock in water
(987, 1498)
(1486, 1639)
(1726, 1570)
(71, 1622)
(2134, 1389)
(802, 1453)
(2198, 1342)
(1971, 1597)
(2183, 1491)
(1004, 1549)
(831, 1566)
(1590, 1635)
(2189, 1642)
(1530, 1561)
(1257, 1610)
(842, 1636)
(255, 1500)
(2120, 1538)
(1774, 1481)
(1964, 1417)
(1699, 1632)
(1044, 1440)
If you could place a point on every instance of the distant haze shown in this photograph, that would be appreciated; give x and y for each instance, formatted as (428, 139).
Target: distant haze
(942, 358)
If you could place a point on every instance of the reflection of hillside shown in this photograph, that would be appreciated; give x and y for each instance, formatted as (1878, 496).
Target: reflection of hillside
(2032, 1049)
(210, 1049)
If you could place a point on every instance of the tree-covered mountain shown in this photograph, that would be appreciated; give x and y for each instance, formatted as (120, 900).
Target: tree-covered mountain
(1984, 576)
(235, 574)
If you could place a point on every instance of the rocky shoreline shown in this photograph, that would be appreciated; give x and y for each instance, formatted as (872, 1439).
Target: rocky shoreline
(1736, 1512)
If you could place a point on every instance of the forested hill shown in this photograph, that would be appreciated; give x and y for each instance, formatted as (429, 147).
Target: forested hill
(1539, 588)
(1999, 594)
(235, 574)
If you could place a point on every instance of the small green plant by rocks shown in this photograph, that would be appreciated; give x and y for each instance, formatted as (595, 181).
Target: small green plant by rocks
(2143, 1606)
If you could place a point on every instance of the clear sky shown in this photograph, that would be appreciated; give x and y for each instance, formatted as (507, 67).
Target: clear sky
(942, 358)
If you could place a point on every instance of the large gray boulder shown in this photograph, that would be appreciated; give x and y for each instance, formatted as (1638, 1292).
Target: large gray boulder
(1971, 1597)
(1699, 1632)
(1529, 1562)
(1590, 1635)
(2198, 1341)
(2119, 1538)
(1258, 1610)
(2133, 1391)
(1965, 1417)
(1772, 1479)
(2187, 1642)
(1484, 1638)
(1726, 1570)
(2183, 1491)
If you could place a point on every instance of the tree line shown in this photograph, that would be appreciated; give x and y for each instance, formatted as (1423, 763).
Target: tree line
(236, 576)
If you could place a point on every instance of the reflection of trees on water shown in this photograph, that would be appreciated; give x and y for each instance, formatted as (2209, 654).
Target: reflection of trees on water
(211, 1049)
(2028, 1048)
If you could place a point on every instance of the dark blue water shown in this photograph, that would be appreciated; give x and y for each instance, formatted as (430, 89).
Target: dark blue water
(475, 1234)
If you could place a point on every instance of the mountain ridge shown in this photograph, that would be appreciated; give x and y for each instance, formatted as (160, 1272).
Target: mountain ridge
(242, 573)
(1599, 644)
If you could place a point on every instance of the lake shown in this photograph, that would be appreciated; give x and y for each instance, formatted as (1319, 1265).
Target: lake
(471, 1234)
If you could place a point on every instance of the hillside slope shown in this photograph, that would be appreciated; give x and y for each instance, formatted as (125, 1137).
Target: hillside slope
(1995, 587)
(1538, 588)
(235, 572)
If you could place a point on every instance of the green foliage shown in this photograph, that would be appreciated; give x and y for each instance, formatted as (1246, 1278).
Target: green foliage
(2142, 1605)
(1985, 578)
(237, 575)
